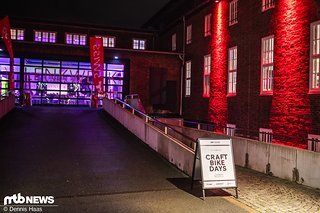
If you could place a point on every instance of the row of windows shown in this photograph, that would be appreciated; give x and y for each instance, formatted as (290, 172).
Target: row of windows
(233, 19)
(233, 9)
(267, 65)
(207, 32)
(73, 39)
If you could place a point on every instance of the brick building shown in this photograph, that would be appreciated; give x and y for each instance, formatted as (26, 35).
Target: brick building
(252, 65)
(52, 62)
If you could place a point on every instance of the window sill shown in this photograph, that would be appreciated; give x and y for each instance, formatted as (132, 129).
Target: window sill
(269, 8)
(234, 23)
(231, 95)
(266, 93)
(314, 92)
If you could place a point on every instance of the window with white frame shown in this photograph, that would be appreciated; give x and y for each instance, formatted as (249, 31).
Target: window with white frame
(265, 135)
(44, 36)
(189, 34)
(207, 25)
(230, 129)
(233, 12)
(267, 4)
(174, 42)
(17, 34)
(314, 142)
(232, 70)
(206, 75)
(188, 79)
(139, 44)
(76, 39)
(108, 41)
(267, 55)
(315, 58)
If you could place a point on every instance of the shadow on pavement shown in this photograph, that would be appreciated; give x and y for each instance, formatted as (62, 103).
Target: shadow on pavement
(185, 185)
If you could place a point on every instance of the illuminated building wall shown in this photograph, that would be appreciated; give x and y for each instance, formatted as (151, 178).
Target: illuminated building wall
(218, 108)
(135, 78)
(291, 109)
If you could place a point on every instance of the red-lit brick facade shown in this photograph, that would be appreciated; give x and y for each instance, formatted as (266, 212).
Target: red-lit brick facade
(290, 111)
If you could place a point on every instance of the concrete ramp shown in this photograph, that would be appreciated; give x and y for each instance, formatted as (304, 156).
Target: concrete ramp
(134, 101)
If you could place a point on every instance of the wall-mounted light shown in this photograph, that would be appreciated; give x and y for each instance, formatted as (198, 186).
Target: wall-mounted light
(116, 57)
(1, 50)
(216, 1)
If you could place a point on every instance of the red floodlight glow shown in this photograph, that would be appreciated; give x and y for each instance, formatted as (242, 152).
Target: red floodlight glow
(290, 112)
(218, 107)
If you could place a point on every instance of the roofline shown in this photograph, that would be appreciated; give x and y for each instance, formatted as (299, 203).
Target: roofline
(78, 25)
(157, 13)
(189, 13)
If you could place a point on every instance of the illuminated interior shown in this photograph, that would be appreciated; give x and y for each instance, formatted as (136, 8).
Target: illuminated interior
(56, 82)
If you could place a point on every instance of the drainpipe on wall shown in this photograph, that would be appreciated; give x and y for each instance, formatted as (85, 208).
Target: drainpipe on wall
(182, 57)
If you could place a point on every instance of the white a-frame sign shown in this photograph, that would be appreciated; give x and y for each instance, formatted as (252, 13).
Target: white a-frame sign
(214, 164)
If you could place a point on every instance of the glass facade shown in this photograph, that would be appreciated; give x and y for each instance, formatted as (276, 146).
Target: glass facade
(4, 76)
(56, 82)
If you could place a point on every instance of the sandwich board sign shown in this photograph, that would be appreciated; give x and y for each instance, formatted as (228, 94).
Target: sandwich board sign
(214, 164)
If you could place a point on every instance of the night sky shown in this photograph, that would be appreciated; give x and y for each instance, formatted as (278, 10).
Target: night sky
(117, 13)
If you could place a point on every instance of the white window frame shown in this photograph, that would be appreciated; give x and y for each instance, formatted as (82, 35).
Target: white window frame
(233, 12)
(267, 65)
(76, 39)
(189, 34)
(316, 146)
(232, 70)
(174, 42)
(108, 41)
(207, 25)
(45, 36)
(230, 129)
(206, 75)
(188, 79)
(314, 82)
(138, 44)
(17, 34)
(268, 4)
(265, 135)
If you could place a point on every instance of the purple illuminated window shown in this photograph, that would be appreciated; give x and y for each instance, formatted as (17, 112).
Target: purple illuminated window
(76, 39)
(44, 36)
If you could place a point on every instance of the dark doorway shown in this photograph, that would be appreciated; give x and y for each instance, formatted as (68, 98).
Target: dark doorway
(157, 87)
(172, 97)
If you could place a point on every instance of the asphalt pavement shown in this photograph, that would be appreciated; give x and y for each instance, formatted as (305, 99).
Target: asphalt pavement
(90, 163)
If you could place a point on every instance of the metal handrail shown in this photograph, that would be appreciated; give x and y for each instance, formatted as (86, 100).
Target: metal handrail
(239, 132)
(150, 119)
(247, 133)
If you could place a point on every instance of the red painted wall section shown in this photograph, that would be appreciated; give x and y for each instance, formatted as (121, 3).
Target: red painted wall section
(218, 108)
(290, 111)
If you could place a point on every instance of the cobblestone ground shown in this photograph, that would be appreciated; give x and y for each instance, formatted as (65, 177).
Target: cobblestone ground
(270, 194)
